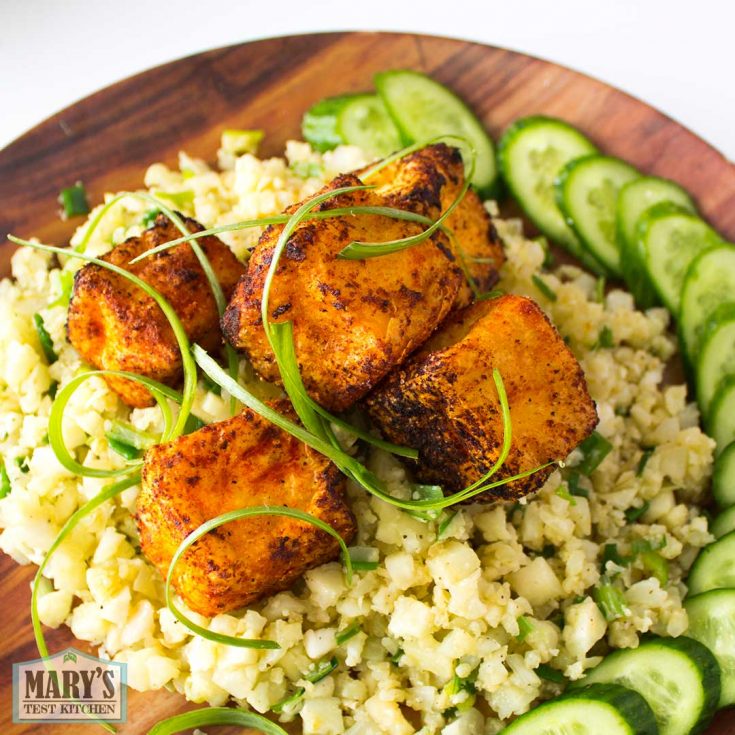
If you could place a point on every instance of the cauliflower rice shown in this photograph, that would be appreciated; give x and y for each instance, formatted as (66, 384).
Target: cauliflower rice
(506, 588)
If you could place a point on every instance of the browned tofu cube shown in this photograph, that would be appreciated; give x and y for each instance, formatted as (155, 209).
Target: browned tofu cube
(115, 325)
(443, 402)
(428, 181)
(242, 462)
(354, 321)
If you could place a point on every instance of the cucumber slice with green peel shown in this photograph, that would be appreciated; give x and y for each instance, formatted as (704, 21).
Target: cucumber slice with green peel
(600, 708)
(716, 359)
(714, 567)
(422, 109)
(634, 200)
(587, 192)
(357, 119)
(531, 154)
(671, 237)
(708, 284)
(678, 677)
(721, 417)
(365, 122)
(712, 622)
(723, 477)
(723, 523)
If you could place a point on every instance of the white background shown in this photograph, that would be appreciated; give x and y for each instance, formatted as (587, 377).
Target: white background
(677, 55)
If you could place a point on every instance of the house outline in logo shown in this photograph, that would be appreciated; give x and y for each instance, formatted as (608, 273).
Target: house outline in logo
(57, 662)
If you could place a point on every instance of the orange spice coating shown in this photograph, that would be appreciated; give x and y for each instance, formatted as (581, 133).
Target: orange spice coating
(242, 462)
(444, 403)
(115, 325)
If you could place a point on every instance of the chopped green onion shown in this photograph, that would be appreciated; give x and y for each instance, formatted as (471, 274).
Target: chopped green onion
(605, 339)
(544, 671)
(239, 142)
(364, 558)
(22, 464)
(644, 545)
(563, 493)
(307, 169)
(647, 454)
(611, 553)
(213, 716)
(600, 289)
(349, 632)
(489, 295)
(5, 486)
(322, 670)
(124, 450)
(574, 487)
(212, 387)
(150, 217)
(395, 658)
(549, 258)
(288, 702)
(445, 523)
(657, 565)
(594, 449)
(52, 389)
(126, 433)
(525, 626)
(426, 492)
(47, 344)
(65, 286)
(221, 520)
(633, 514)
(179, 199)
(544, 287)
(610, 600)
(193, 423)
(73, 200)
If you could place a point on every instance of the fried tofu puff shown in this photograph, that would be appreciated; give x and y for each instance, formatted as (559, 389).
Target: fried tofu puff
(115, 325)
(444, 402)
(242, 462)
(353, 320)
(428, 181)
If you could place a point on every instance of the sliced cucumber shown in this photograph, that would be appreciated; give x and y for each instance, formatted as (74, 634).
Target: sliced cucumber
(424, 109)
(716, 359)
(634, 200)
(587, 192)
(358, 119)
(678, 677)
(714, 568)
(709, 283)
(365, 122)
(724, 523)
(531, 154)
(712, 622)
(671, 237)
(600, 708)
(723, 478)
(721, 416)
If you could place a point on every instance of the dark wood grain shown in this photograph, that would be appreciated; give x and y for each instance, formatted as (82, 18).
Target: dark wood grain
(108, 139)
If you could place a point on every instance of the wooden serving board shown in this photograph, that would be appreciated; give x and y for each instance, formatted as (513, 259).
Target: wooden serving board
(107, 140)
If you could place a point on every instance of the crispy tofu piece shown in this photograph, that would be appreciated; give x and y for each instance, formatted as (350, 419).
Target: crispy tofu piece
(242, 462)
(353, 321)
(427, 182)
(444, 403)
(115, 325)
